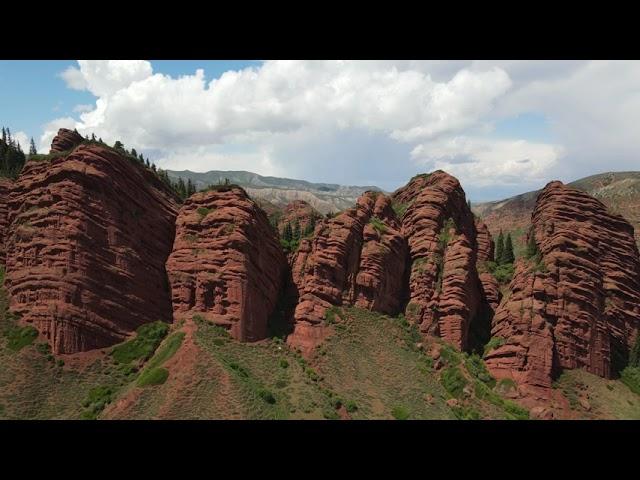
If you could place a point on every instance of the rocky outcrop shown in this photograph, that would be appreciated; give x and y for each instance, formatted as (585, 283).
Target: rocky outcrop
(226, 265)
(445, 293)
(65, 140)
(88, 239)
(301, 213)
(577, 303)
(5, 189)
(484, 241)
(356, 258)
(490, 286)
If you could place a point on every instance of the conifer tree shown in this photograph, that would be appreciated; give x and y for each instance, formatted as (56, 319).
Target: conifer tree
(311, 226)
(296, 230)
(507, 254)
(181, 188)
(134, 153)
(499, 248)
(287, 234)
(191, 188)
(93, 137)
(32, 148)
(532, 246)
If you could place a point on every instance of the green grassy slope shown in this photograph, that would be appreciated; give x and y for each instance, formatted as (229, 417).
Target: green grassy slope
(372, 367)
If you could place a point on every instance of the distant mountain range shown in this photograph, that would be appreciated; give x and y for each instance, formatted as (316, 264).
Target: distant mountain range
(619, 191)
(324, 197)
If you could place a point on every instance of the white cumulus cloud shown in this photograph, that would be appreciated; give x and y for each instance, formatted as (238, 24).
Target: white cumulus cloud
(379, 121)
(479, 161)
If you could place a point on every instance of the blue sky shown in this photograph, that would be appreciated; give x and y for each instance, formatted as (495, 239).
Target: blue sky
(32, 92)
(501, 127)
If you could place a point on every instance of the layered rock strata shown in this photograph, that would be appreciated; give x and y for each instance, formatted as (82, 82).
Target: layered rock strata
(6, 186)
(356, 258)
(445, 292)
(88, 237)
(227, 265)
(574, 305)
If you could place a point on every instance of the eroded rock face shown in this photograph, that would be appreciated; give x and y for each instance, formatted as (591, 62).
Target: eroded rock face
(227, 265)
(301, 212)
(88, 238)
(579, 306)
(485, 242)
(445, 292)
(356, 258)
(5, 189)
(489, 286)
(65, 140)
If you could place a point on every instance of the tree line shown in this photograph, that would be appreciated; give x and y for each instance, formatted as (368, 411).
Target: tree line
(504, 249)
(291, 235)
(12, 158)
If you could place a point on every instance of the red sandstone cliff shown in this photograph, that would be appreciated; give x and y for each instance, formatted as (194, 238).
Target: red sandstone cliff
(579, 307)
(226, 264)
(356, 258)
(65, 140)
(87, 240)
(5, 189)
(445, 293)
(299, 211)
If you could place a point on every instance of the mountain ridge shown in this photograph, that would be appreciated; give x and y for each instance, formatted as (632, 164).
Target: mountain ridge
(324, 197)
(619, 191)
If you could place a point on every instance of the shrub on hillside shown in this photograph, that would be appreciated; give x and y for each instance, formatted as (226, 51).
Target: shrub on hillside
(453, 381)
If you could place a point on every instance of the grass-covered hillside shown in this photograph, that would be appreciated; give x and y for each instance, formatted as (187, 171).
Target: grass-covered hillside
(371, 367)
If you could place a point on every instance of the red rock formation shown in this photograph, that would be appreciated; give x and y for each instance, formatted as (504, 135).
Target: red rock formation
(444, 289)
(299, 211)
(356, 258)
(484, 241)
(65, 140)
(226, 264)
(5, 189)
(579, 307)
(490, 286)
(88, 238)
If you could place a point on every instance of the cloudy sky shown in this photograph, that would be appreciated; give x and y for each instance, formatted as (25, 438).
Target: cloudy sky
(501, 127)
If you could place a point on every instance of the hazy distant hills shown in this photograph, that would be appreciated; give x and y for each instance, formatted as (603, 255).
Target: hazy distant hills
(324, 197)
(619, 191)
